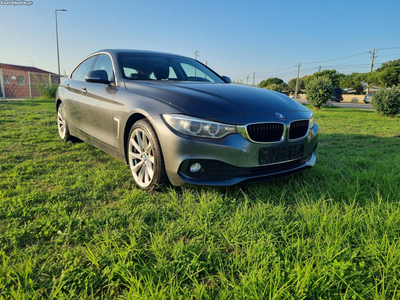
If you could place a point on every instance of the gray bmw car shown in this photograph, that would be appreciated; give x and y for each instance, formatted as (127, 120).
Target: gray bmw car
(174, 120)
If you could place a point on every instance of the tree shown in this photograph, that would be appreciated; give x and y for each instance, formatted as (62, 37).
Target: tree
(273, 80)
(389, 64)
(352, 81)
(292, 85)
(331, 74)
(319, 91)
(388, 77)
(368, 78)
(282, 87)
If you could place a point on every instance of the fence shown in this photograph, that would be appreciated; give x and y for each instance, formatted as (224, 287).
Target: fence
(22, 84)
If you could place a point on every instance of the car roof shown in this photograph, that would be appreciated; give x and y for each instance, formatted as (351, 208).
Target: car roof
(117, 51)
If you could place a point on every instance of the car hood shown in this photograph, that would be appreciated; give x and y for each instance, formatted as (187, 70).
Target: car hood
(218, 101)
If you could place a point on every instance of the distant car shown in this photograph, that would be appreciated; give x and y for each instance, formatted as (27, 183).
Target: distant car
(173, 119)
(368, 98)
(337, 95)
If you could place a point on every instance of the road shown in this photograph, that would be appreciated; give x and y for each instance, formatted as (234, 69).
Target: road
(344, 104)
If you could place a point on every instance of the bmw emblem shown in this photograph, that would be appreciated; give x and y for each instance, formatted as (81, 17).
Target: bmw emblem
(280, 116)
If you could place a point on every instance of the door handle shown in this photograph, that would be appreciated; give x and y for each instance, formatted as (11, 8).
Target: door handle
(84, 90)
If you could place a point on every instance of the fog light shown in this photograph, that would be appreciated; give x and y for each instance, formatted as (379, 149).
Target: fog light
(195, 167)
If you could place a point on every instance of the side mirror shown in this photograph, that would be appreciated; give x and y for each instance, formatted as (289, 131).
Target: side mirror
(97, 76)
(226, 79)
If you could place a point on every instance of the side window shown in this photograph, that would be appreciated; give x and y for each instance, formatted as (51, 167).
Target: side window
(104, 63)
(172, 74)
(128, 72)
(82, 70)
(195, 74)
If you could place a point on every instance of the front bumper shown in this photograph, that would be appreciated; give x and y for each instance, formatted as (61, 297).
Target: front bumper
(231, 160)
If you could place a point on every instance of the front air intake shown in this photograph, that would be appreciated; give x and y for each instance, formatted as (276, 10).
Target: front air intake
(265, 132)
(298, 129)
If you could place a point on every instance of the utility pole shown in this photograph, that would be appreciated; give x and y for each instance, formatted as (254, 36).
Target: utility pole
(58, 50)
(372, 65)
(247, 79)
(319, 69)
(195, 57)
(254, 77)
(372, 60)
(297, 81)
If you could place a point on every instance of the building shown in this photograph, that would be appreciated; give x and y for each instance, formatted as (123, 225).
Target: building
(22, 81)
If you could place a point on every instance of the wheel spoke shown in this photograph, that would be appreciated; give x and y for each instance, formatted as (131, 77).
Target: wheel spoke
(134, 155)
(134, 144)
(151, 159)
(146, 176)
(136, 167)
(149, 168)
(139, 139)
(148, 148)
(141, 173)
(145, 142)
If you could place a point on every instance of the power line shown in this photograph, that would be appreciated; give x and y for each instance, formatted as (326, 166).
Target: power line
(317, 62)
(353, 61)
(264, 73)
(278, 72)
(390, 55)
(388, 48)
(313, 68)
(350, 64)
(272, 72)
(344, 66)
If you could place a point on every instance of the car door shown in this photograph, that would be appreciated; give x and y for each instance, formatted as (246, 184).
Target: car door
(97, 102)
(74, 91)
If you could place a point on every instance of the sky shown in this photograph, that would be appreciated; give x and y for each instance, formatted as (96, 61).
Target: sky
(239, 39)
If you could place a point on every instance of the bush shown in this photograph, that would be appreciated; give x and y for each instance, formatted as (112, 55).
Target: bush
(47, 90)
(281, 87)
(386, 102)
(319, 90)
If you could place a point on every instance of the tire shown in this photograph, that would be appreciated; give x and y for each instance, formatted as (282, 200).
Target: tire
(62, 124)
(145, 157)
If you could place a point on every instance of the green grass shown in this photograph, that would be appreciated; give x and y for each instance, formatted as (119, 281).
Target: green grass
(73, 226)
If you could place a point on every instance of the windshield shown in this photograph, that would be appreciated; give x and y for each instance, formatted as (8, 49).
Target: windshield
(149, 66)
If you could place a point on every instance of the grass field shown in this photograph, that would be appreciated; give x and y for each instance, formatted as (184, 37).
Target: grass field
(73, 226)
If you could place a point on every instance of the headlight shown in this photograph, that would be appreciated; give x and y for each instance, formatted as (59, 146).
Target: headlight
(311, 120)
(198, 127)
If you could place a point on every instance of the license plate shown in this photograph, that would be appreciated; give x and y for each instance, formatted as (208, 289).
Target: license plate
(276, 155)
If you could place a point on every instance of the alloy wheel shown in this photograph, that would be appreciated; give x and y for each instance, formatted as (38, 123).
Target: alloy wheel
(61, 123)
(141, 158)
